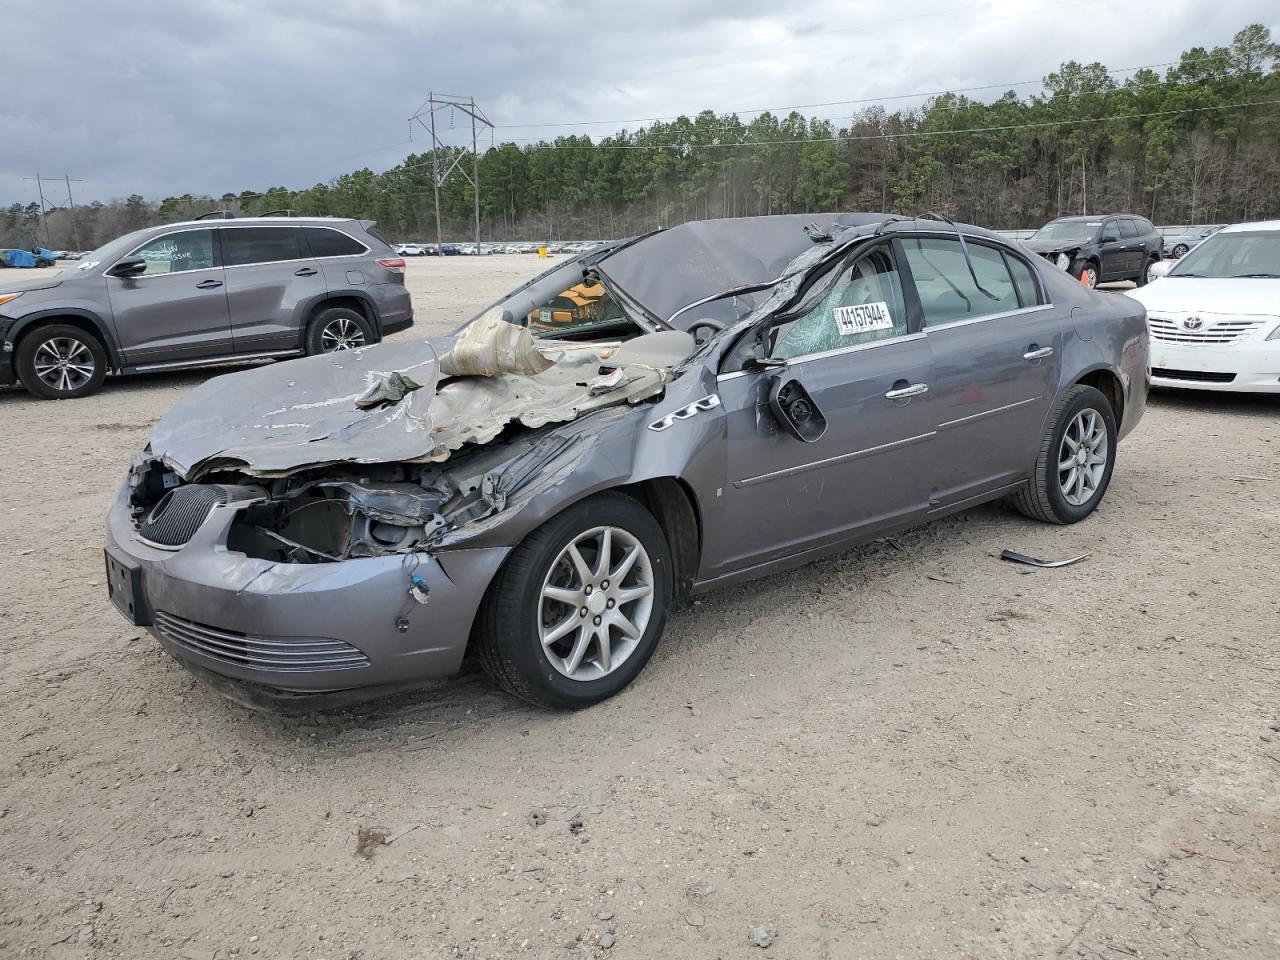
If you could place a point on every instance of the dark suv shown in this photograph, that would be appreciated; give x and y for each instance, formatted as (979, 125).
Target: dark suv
(1100, 249)
(199, 293)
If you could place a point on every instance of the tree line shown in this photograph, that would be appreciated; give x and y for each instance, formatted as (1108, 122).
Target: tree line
(1198, 144)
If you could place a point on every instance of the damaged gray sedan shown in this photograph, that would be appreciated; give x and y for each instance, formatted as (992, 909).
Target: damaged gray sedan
(655, 418)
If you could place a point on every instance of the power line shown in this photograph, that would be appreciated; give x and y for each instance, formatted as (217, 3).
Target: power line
(904, 134)
(835, 103)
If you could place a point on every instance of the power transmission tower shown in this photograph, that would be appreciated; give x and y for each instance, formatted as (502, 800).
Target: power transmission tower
(441, 171)
(44, 217)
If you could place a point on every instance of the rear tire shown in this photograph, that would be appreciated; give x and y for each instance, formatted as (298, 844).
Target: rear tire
(526, 638)
(336, 329)
(61, 362)
(1143, 278)
(1067, 494)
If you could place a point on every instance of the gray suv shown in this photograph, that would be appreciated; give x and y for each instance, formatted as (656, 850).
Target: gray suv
(198, 293)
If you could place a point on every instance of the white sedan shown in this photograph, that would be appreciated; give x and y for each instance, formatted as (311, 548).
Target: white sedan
(1214, 315)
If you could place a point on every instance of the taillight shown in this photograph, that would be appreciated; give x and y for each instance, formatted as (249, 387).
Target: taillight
(394, 264)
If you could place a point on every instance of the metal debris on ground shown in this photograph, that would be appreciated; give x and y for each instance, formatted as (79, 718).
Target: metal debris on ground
(1015, 557)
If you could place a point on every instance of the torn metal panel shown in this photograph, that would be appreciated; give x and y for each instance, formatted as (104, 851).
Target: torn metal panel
(389, 403)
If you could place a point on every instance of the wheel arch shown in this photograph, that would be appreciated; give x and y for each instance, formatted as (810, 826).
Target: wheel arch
(356, 300)
(89, 322)
(1107, 382)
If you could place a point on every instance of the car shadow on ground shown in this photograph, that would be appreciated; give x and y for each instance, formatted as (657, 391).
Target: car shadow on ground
(161, 380)
(1215, 401)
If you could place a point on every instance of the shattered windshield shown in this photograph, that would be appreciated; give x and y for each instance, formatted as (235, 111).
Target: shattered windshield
(566, 303)
(1073, 231)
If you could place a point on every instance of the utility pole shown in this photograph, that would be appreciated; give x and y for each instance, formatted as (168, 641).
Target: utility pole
(75, 227)
(442, 170)
(44, 216)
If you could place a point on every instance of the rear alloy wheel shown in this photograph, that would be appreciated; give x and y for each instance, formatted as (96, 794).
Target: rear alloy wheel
(1076, 458)
(578, 608)
(61, 362)
(337, 329)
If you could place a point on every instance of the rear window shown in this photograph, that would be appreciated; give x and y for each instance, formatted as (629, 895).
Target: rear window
(244, 245)
(1128, 229)
(1144, 226)
(325, 242)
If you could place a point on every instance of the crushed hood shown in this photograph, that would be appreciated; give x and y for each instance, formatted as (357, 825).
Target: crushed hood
(1052, 246)
(404, 402)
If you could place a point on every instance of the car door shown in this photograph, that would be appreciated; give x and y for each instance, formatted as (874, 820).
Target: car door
(1134, 249)
(867, 372)
(176, 309)
(270, 276)
(1112, 252)
(996, 348)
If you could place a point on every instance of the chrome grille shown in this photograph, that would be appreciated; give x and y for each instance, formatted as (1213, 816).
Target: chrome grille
(284, 654)
(1213, 331)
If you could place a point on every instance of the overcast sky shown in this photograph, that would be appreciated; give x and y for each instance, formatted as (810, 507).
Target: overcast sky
(165, 98)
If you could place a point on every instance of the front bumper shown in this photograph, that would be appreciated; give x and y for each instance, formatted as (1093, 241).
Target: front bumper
(1250, 366)
(296, 628)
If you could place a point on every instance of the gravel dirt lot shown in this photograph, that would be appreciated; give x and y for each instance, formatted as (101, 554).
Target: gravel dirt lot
(912, 750)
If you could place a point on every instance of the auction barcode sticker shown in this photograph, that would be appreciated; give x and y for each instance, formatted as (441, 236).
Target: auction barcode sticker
(863, 317)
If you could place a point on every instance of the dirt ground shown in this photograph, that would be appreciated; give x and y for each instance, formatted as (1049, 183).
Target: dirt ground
(912, 750)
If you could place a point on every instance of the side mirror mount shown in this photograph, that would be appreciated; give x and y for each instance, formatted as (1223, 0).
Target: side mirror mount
(129, 267)
(1159, 269)
(791, 406)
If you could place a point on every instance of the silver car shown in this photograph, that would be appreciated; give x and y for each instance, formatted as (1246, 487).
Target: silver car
(1183, 244)
(200, 293)
(656, 418)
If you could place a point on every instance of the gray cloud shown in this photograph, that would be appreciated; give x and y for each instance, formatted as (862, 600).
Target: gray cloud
(161, 98)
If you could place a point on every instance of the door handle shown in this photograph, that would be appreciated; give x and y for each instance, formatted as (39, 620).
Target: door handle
(903, 393)
(208, 284)
(1037, 353)
(305, 272)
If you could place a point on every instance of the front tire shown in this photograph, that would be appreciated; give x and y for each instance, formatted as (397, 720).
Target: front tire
(577, 609)
(1180, 251)
(1075, 461)
(1086, 271)
(337, 329)
(61, 362)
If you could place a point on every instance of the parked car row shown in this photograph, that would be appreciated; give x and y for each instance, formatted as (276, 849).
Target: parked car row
(417, 249)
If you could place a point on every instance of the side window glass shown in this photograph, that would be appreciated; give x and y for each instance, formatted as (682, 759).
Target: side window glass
(865, 305)
(947, 291)
(1110, 232)
(177, 252)
(331, 243)
(1128, 229)
(1023, 282)
(242, 245)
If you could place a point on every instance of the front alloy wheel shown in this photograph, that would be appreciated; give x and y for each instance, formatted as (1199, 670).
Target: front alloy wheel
(61, 362)
(578, 607)
(596, 603)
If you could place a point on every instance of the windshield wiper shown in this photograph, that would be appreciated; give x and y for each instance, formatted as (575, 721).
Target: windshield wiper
(1198, 276)
(1264, 276)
